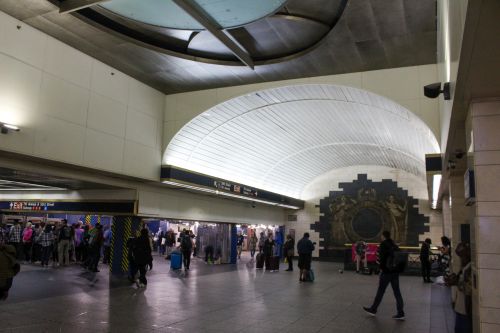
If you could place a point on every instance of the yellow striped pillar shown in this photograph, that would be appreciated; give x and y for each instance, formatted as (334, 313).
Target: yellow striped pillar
(122, 228)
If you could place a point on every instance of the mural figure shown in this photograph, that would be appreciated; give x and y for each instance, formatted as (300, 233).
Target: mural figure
(339, 209)
(367, 194)
(399, 218)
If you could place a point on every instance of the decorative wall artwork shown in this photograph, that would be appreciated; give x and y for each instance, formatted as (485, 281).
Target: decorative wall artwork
(362, 210)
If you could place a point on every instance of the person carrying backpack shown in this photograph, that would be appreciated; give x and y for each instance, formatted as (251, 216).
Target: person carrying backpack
(186, 247)
(391, 265)
(65, 235)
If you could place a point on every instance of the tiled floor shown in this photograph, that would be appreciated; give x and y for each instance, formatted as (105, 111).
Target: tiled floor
(225, 298)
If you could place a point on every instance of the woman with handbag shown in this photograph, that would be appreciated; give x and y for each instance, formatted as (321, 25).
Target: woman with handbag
(288, 250)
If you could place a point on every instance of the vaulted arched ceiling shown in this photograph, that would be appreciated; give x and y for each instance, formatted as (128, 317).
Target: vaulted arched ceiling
(280, 139)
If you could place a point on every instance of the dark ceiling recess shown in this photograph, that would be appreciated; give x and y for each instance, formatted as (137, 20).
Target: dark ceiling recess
(305, 38)
(290, 32)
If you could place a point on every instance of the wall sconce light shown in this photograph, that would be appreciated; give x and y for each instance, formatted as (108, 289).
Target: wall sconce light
(433, 90)
(5, 128)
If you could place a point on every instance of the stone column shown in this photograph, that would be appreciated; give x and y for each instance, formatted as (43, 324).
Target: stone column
(446, 218)
(486, 139)
(123, 227)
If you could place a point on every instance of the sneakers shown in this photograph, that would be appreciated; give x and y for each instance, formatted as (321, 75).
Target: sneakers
(370, 311)
(399, 316)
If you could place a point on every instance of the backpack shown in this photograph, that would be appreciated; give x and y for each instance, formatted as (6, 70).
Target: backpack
(186, 243)
(65, 233)
(396, 260)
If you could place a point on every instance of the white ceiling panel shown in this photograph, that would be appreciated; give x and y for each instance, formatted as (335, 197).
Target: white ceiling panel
(281, 139)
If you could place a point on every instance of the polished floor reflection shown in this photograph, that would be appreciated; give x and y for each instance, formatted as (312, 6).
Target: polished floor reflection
(224, 298)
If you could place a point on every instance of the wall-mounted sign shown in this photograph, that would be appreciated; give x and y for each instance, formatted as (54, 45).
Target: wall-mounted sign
(92, 207)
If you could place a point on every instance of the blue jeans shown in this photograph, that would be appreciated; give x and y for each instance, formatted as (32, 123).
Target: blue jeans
(385, 279)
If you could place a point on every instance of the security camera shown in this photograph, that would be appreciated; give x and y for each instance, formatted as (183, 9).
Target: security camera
(459, 154)
(452, 164)
(433, 90)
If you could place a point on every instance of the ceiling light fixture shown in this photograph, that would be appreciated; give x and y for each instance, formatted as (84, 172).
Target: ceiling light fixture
(5, 128)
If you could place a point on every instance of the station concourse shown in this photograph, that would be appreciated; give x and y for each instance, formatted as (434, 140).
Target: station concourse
(138, 134)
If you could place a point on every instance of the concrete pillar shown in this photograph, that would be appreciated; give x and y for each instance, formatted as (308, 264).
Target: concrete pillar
(486, 139)
(446, 217)
(123, 228)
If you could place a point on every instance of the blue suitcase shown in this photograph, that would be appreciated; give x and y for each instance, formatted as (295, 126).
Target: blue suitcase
(175, 261)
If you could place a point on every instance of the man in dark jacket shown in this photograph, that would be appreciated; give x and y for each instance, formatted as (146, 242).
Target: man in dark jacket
(268, 251)
(386, 251)
(425, 262)
(288, 248)
(305, 249)
(186, 248)
(142, 256)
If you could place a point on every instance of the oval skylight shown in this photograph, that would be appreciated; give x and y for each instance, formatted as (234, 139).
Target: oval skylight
(165, 13)
(281, 139)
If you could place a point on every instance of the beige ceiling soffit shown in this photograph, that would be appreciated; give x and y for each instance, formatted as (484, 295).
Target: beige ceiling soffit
(197, 13)
(69, 6)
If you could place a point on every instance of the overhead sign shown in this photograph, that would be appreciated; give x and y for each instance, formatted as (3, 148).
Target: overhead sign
(96, 207)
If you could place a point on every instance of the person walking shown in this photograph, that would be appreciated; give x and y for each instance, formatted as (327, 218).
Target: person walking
(78, 242)
(305, 249)
(142, 257)
(425, 262)
(186, 247)
(252, 244)
(262, 240)
(239, 244)
(46, 241)
(360, 252)
(268, 251)
(107, 244)
(95, 244)
(15, 235)
(27, 241)
(388, 275)
(64, 240)
(288, 250)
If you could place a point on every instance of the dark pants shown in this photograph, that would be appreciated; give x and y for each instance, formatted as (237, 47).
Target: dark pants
(94, 255)
(107, 252)
(27, 251)
(79, 252)
(132, 270)
(46, 252)
(385, 279)
(267, 261)
(426, 268)
(290, 262)
(463, 323)
(36, 253)
(142, 274)
(186, 258)
(19, 250)
(252, 252)
(209, 254)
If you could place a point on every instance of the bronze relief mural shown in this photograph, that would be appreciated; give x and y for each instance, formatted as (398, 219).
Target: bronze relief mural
(362, 210)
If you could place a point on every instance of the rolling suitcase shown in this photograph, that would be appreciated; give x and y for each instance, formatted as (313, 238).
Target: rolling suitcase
(274, 263)
(175, 261)
(259, 261)
(310, 276)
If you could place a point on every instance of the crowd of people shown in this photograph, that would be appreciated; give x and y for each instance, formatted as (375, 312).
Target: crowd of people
(58, 244)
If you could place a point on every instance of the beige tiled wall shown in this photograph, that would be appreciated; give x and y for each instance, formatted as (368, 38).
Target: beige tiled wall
(485, 125)
(75, 109)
